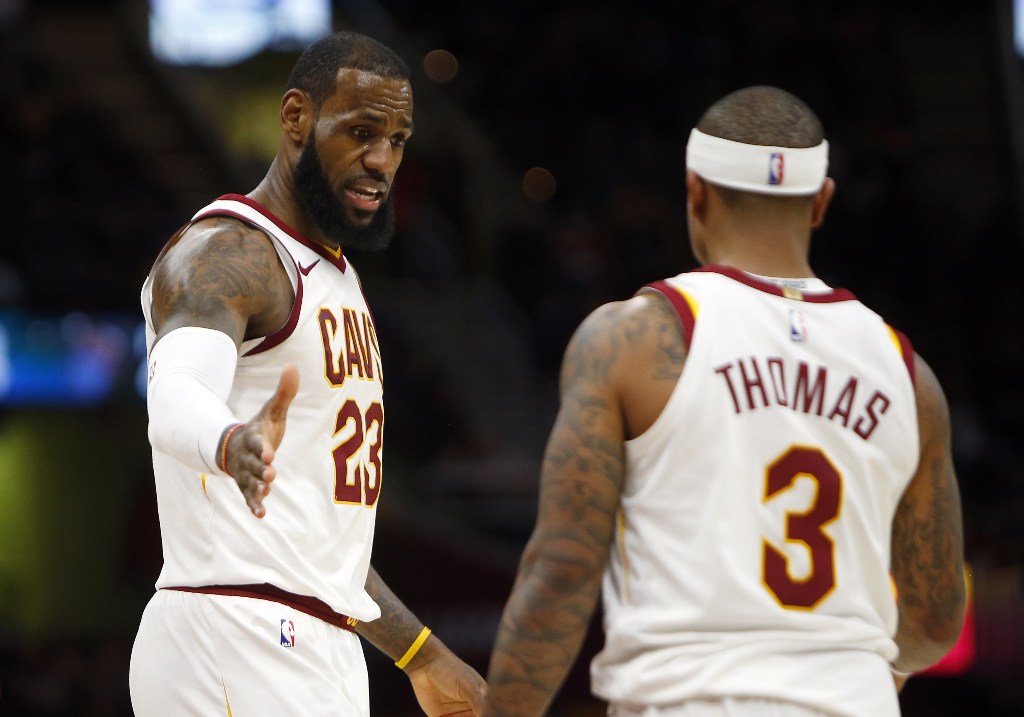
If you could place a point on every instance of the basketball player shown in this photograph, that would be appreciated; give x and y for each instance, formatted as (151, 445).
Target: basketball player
(742, 455)
(266, 420)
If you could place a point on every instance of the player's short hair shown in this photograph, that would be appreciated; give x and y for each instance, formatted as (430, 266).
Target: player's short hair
(763, 115)
(316, 70)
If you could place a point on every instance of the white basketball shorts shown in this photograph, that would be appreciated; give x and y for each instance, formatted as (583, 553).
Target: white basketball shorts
(725, 707)
(204, 655)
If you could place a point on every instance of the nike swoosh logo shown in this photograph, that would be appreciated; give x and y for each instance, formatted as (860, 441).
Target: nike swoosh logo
(306, 269)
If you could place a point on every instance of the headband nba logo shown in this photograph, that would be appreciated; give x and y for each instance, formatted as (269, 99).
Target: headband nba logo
(775, 168)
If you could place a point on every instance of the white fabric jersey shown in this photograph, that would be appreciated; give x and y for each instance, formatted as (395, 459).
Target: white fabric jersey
(316, 536)
(752, 557)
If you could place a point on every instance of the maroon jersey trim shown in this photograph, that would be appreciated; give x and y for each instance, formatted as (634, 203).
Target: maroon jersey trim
(907, 351)
(278, 337)
(681, 305)
(265, 591)
(338, 259)
(770, 288)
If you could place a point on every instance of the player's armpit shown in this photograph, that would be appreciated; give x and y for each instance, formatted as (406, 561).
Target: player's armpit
(927, 540)
(655, 355)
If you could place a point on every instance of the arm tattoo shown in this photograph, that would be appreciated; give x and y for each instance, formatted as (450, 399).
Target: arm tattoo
(396, 628)
(671, 347)
(559, 578)
(927, 545)
(220, 277)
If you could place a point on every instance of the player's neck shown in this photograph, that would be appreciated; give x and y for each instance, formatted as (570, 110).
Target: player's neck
(773, 243)
(762, 260)
(277, 193)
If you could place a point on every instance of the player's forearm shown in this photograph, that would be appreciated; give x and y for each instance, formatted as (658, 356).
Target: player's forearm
(542, 629)
(397, 628)
(931, 612)
(922, 645)
(191, 371)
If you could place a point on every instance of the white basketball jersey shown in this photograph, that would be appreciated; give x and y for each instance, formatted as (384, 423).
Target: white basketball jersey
(752, 556)
(316, 536)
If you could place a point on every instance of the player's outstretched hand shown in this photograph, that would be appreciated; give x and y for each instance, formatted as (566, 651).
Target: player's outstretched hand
(445, 686)
(251, 449)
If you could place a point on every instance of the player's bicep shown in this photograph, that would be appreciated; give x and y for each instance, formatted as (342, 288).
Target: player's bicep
(583, 466)
(217, 276)
(927, 542)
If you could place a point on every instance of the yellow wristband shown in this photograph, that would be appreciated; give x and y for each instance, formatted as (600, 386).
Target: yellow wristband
(413, 648)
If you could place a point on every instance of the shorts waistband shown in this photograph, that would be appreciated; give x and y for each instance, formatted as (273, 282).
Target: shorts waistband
(265, 591)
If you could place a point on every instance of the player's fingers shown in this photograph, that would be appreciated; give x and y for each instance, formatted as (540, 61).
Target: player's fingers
(257, 453)
(269, 474)
(254, 500)
(257, 508)
(267, 453)
(287, 387)
(253, 478)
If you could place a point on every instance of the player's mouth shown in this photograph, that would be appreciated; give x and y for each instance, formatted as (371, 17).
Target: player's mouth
(365, 196)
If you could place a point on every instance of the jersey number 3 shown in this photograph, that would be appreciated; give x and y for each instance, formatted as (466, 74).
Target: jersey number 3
(806, 527)
(357, 475)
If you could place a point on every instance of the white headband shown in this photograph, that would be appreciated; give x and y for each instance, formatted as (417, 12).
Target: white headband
(757, 168)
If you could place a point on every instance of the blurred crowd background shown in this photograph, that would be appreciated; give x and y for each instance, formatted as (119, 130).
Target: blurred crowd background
(545, 178)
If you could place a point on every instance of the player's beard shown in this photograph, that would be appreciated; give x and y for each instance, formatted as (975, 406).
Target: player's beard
(328, 213)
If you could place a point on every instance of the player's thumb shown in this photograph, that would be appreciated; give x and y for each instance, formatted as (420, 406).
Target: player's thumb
(276, 409)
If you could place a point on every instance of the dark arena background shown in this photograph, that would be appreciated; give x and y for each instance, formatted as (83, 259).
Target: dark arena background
(545, 178)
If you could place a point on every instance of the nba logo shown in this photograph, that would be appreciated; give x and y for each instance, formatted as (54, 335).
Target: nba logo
(287, 633)
(797, 326)
(775, 168)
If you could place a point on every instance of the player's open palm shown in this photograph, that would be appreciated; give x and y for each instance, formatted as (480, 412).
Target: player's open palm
(251, 448)
(447, 686)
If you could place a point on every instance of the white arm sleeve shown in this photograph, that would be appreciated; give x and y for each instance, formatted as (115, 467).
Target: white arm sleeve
(190, 374)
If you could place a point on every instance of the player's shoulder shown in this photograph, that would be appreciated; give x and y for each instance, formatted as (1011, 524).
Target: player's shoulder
(215, 241)
(626, 318)
(621, 335)
(221, 231)
(932, 404)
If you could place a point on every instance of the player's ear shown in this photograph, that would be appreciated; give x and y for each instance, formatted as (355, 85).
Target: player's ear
(819, 207)
(696, 196)
(296, 115)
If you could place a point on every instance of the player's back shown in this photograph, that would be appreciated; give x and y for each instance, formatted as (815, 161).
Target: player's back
(753, 548)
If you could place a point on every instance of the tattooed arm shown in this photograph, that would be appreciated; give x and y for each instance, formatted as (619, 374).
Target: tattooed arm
(617, 373)
(224, 275)
(927, 540)
(444, 684)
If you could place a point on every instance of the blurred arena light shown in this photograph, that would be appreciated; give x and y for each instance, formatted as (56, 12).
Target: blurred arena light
(1018, 26)
(216, 34)
(69, 360)
(538, 184)
(441, 66)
